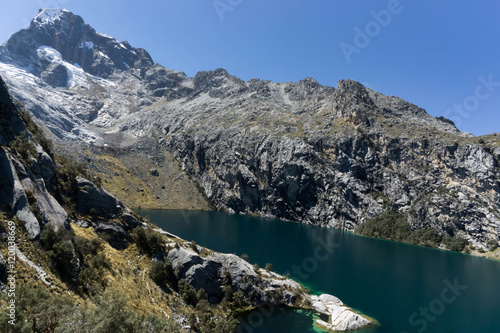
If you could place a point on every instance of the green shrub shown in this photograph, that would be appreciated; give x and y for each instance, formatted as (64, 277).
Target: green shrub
(393, 226)
(193, 246)
(426, 237)
(88, 247)
(100, 261)
(147, 240)
(62, 256)
(456, 244)
(157, 273)
(114, 314)
(187, 292)
(91, 281)
(206, 322)
(64, 248)
(50, 236)
(70, 168)
(201, 295)
(60, 250)
(24, 146)
(93, 212)
(162, 273)
(228, 293)
(35, 130)
(36, 310)
(225, 325)
(493, 245)
(239, 299)
(269, 267)
(388, 225)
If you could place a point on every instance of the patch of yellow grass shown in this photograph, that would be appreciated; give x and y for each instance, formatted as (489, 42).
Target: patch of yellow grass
(129, 275)
(128, 178)
(491, 255)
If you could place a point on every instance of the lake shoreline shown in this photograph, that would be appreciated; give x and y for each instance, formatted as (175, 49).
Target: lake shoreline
(495, 255)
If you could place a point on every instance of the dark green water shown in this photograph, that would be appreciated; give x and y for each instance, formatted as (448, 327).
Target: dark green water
(406, 288)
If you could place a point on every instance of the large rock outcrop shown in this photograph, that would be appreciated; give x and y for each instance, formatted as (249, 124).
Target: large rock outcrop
(12, 196)
(214, 271)
(341, 317)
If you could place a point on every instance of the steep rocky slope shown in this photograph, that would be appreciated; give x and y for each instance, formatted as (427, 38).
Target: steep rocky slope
(298, 151)
(74, 238)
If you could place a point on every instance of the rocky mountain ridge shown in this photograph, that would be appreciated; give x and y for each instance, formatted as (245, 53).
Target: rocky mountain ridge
(297, 151)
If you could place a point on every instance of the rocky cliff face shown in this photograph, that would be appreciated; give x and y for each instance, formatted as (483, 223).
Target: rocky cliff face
(298, 151)
(64, 216)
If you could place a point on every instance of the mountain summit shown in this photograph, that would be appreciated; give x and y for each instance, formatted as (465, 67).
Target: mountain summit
(333, 156)
(76, 42)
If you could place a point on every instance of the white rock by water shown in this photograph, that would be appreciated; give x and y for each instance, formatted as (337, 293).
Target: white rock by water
(342, 318)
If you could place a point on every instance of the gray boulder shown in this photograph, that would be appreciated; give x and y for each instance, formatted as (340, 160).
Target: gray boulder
(46, 165)
(50, 210)
(117, 235)
(89, 197)
(130, 221)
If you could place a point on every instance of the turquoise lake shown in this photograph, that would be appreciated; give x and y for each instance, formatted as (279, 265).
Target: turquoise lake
(406, 288)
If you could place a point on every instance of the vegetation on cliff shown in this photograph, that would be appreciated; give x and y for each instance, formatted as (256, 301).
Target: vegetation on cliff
(392, 225)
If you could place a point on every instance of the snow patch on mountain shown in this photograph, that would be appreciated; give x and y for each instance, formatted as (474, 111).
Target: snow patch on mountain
(49, 15)
(77, 77)
(88, 45)
(102, 54)
(18, 73)
(49, 53)
(104, 35)
(122, 46)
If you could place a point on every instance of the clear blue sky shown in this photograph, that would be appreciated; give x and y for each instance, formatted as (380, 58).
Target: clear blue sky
(428, 52)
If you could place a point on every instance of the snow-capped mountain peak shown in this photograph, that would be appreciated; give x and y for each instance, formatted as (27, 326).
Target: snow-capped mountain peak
(59, 57)
(49, 15)
(77, 43)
